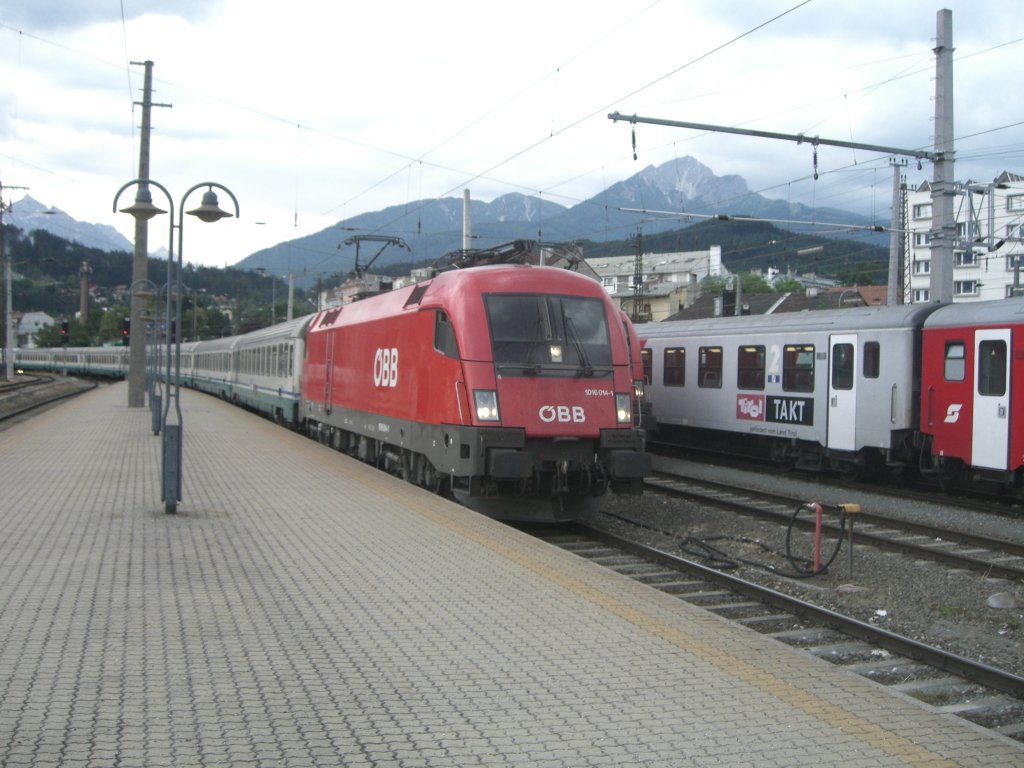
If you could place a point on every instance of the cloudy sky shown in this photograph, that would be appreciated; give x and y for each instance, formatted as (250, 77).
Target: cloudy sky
(318, 110)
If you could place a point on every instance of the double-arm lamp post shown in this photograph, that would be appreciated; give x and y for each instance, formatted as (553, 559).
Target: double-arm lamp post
(208, 211)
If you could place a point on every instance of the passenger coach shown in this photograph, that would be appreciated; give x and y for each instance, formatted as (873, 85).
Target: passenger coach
(973, 403)
(261, 370)
(829, 389)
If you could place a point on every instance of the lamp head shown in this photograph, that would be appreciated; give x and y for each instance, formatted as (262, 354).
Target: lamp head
(209, 211)
(143, 209)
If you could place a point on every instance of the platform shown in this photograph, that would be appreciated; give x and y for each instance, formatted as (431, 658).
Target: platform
(303, 609)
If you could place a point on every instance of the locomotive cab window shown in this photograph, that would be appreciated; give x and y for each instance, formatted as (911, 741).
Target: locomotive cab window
(709, 368)
(444, 336)
(992, 368)
(798, 368)
(750, 367)
(842, 366)
(673, 373)
(955, 366)
(548, 335)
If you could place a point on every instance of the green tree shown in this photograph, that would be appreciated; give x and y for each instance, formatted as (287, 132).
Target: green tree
(78, 335)
(789, 285)
(754, 283)
(712, 284)
(109, 329)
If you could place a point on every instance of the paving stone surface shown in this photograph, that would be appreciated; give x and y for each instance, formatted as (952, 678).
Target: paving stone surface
(302, 609)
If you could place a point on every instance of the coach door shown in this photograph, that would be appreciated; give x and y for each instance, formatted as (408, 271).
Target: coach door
(991, 427)
(842, 392)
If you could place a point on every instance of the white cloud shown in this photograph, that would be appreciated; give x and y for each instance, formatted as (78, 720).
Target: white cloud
(317, 111)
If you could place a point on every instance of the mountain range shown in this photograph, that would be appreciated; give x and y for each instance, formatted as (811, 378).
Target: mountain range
(431, 228)
(29, 214)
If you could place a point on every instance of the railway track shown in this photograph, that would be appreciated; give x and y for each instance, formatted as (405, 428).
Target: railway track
(985, 695)
(22, 397)
(996, 558)
(910, 488)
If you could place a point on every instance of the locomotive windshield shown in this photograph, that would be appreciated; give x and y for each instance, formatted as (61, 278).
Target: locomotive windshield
(536, 334)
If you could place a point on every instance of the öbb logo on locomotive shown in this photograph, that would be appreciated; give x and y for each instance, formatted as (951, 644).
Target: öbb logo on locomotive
(385, 367)
(953, 413)
(563, 414)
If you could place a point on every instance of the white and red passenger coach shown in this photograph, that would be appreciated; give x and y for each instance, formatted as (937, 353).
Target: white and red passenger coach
(972, 360)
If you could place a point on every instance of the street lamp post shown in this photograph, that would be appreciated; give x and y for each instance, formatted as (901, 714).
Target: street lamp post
(208, 211)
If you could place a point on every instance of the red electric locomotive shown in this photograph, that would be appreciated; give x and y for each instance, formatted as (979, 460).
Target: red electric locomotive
(972, 410)
(510, 386)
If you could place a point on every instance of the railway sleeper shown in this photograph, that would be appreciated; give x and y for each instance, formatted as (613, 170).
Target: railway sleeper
(940, 691)
(770, 623)
(845, 654)
(680, 589)
(807, 637)
(893, 670)
(989, 711)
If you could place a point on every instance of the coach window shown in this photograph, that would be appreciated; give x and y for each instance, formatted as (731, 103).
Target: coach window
(444, 336)
(647, 361)
(872, 360)
(674, 367)
(842, 366)
(955, 368)
(709, 368)
(798, 368)
(992, 368)
(750, 368)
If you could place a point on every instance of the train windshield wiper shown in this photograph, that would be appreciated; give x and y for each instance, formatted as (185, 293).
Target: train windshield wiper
(586, 369)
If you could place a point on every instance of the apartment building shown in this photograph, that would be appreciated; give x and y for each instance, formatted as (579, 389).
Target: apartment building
(990, 227)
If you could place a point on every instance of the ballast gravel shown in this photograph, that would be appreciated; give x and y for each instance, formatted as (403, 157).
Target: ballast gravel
(959, 611)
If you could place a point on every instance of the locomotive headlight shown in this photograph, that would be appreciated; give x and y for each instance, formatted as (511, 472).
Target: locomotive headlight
(486, 405)
(638, 388)
(556, 353)
(623, 408)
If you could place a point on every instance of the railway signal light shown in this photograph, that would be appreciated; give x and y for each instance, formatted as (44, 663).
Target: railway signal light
(65, 328)
(126, 331)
